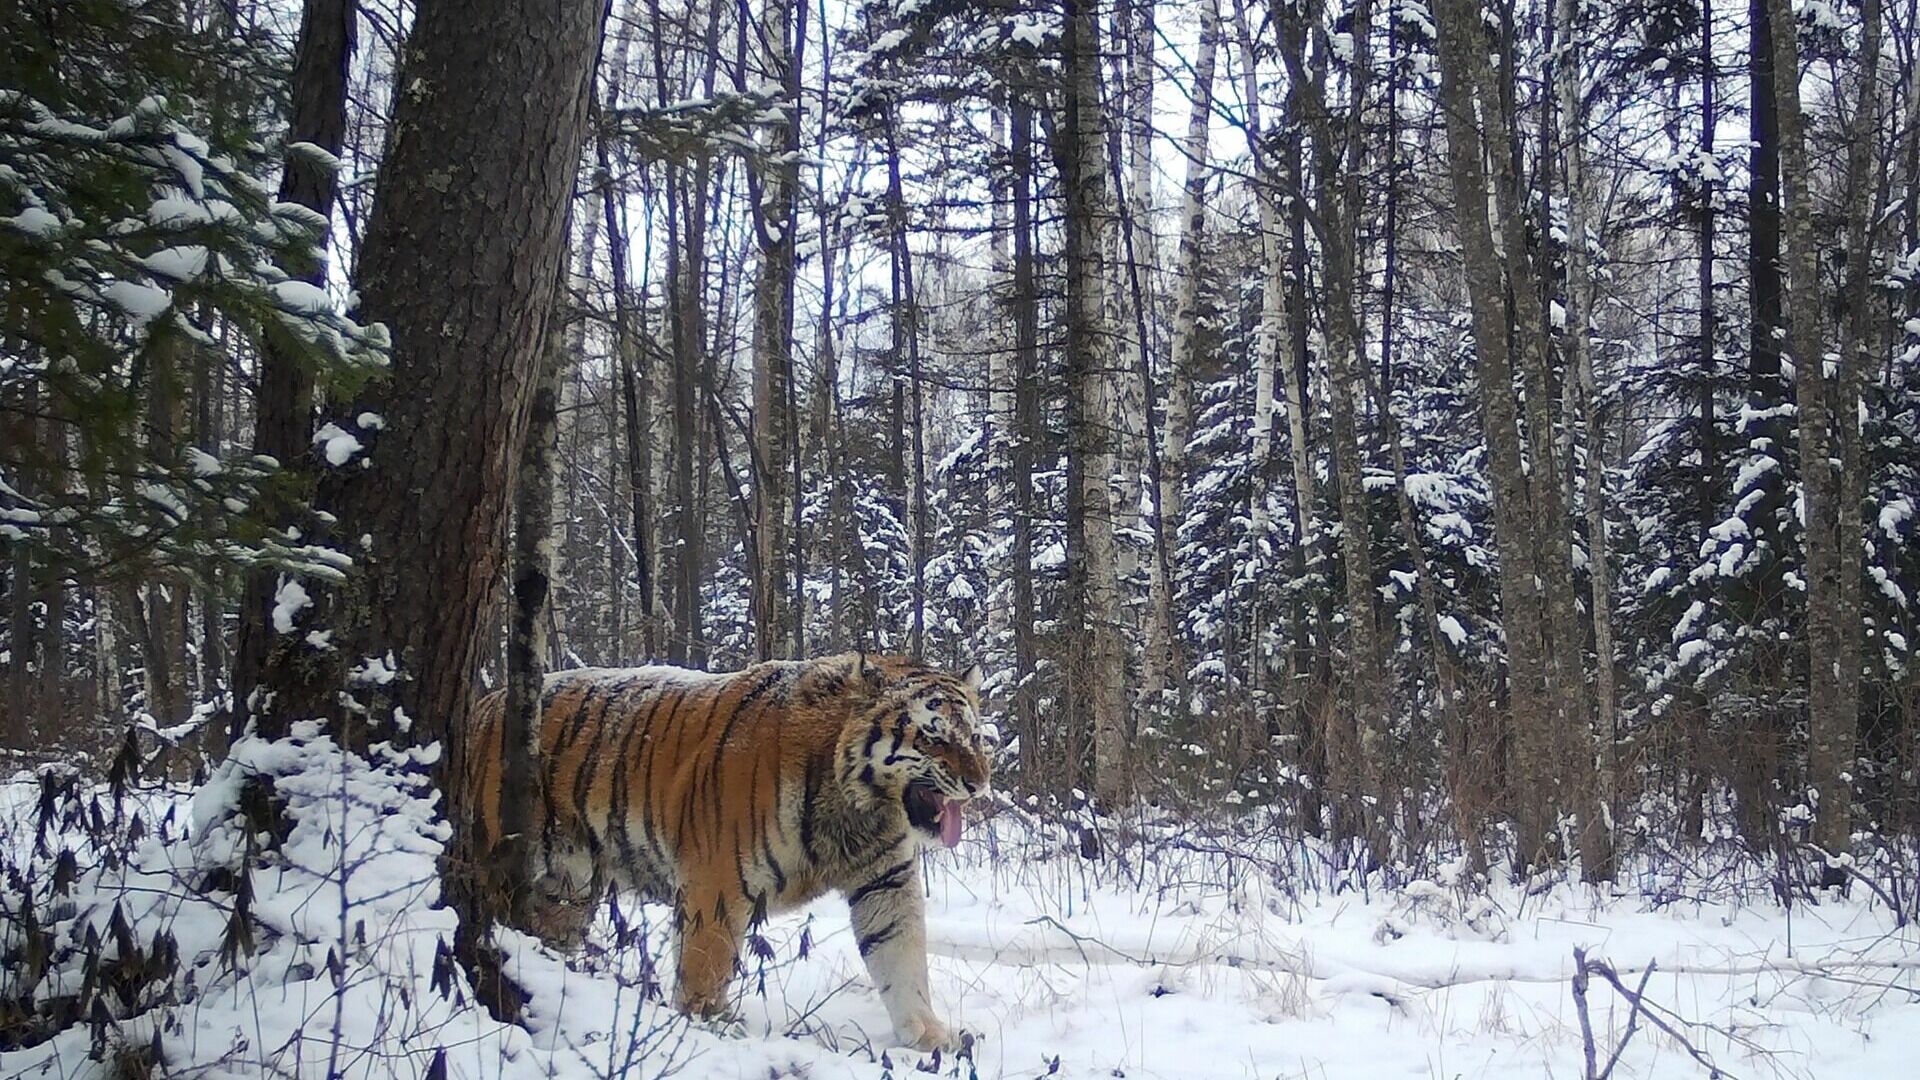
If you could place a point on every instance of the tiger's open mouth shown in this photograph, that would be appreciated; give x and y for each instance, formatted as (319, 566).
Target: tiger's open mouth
(932, 812)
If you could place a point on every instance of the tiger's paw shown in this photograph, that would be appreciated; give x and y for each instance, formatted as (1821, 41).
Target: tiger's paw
(727, 1025)
(926, 1033)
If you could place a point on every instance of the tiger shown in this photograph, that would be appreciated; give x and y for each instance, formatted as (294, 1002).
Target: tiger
(735, 796)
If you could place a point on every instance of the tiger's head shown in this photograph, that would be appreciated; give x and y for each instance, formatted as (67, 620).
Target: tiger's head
(918, 741)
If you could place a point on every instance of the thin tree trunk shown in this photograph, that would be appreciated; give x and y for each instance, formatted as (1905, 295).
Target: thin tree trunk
(507, 856)
(165, 592)
(53, 590)
(1706, 346)
(1832, 513)
(1829, 730)
(210, 385)
(999, 419)
(1763, 211)
(1598, 743)
(283, 404)
(909, 401)
(772, 207)
(21, 635)
(1026, 429)
(1355, 740)
(826, 400)
(1162, 645)
(1267, 355)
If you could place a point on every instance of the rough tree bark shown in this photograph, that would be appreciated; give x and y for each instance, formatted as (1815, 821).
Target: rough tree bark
(1461, 49)
(1707, 483)
(1096, 682)
(1831, 672)
(465, 241)
(163, 596)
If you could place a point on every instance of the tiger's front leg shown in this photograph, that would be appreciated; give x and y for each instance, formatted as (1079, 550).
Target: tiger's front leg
(890, 928)
(712, 924)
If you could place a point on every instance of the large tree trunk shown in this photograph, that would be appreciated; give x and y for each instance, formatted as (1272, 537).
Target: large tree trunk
(1569, 779)
(1462, 49)
(283, 404)
(466, 238)
(1096, 681)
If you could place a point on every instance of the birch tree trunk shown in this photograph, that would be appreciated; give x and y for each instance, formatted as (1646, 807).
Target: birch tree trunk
(1162, 646)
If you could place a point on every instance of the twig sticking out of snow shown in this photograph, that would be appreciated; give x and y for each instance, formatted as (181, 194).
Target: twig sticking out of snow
(1584, 967)
(1580, 973)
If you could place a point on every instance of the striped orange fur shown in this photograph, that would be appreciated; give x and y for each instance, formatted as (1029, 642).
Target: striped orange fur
(735, 796)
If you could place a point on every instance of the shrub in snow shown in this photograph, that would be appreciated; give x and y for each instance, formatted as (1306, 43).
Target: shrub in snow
(193, 942)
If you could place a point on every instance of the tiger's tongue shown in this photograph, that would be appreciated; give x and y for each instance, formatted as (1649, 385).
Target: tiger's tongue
(949, 822)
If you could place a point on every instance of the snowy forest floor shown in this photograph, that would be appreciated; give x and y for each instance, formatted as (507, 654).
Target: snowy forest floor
(1177, 956)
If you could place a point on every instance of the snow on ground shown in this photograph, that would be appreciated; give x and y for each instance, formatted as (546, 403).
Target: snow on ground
(1178, 959)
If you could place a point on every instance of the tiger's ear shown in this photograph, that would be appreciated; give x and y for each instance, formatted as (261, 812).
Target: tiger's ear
(864, 672)
(974, 677)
